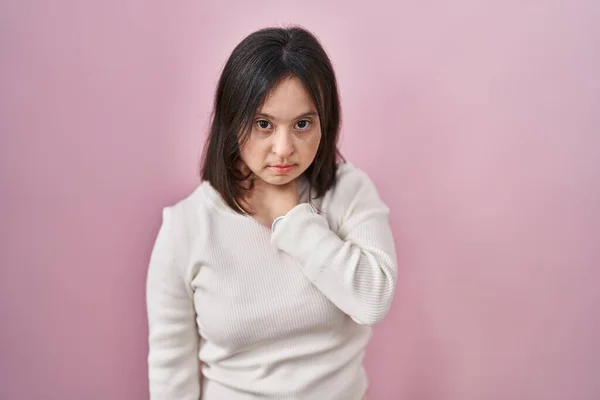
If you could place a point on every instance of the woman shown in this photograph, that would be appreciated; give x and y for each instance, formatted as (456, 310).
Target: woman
(264, 282)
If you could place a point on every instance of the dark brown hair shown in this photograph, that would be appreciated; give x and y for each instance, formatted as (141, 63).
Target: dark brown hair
(256, 66)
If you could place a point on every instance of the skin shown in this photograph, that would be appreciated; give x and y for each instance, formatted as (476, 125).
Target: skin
(286, 133)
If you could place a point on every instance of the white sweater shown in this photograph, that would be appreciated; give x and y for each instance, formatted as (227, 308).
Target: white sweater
(239, 312)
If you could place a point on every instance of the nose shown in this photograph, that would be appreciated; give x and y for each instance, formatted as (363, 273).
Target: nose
(283, 144)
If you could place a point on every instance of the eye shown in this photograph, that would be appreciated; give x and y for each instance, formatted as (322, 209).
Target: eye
(263, 124)
(303, 125)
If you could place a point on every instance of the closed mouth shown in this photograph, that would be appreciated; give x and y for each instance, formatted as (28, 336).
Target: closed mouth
(281, 169)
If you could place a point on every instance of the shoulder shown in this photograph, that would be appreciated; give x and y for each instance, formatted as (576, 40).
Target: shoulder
(350, 182)
(185, 214)
(353, 192)
(350, 174)
(185, 221)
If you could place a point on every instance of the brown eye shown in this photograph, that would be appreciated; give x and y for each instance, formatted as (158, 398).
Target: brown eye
(303, 125)
(263, 124)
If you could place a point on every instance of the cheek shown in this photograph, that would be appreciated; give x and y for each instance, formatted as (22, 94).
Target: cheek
(313, 145)
(251, 153)
(245, 152)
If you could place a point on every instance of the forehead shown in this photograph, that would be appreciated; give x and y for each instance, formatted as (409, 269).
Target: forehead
(288, 100)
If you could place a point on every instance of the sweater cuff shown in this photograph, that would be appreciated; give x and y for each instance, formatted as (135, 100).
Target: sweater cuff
(276, 221)
(301, 234)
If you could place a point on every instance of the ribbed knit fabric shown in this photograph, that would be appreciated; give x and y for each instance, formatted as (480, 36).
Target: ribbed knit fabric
(237, 313)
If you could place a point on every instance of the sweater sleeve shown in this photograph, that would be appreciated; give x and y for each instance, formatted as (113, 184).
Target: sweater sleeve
(173, 366)
(354, 267)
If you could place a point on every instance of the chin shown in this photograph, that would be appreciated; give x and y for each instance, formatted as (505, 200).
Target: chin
(277, 180)
(280, 180)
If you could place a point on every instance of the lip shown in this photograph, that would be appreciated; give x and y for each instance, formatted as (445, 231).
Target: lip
(282, 168)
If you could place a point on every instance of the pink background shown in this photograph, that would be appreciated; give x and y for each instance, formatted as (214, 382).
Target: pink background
(478, 121)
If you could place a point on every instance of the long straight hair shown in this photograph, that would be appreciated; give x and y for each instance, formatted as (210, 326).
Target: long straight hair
(255, 67)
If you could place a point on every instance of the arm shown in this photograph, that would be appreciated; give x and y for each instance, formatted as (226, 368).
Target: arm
(173, 366)
(355, 267)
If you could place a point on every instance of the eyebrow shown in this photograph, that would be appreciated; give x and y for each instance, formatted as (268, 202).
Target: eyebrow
(303, 115)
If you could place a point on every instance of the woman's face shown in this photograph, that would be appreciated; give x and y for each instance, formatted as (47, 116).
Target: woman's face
(285, 135)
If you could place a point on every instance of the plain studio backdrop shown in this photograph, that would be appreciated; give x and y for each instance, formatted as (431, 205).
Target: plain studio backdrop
(479, 122)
